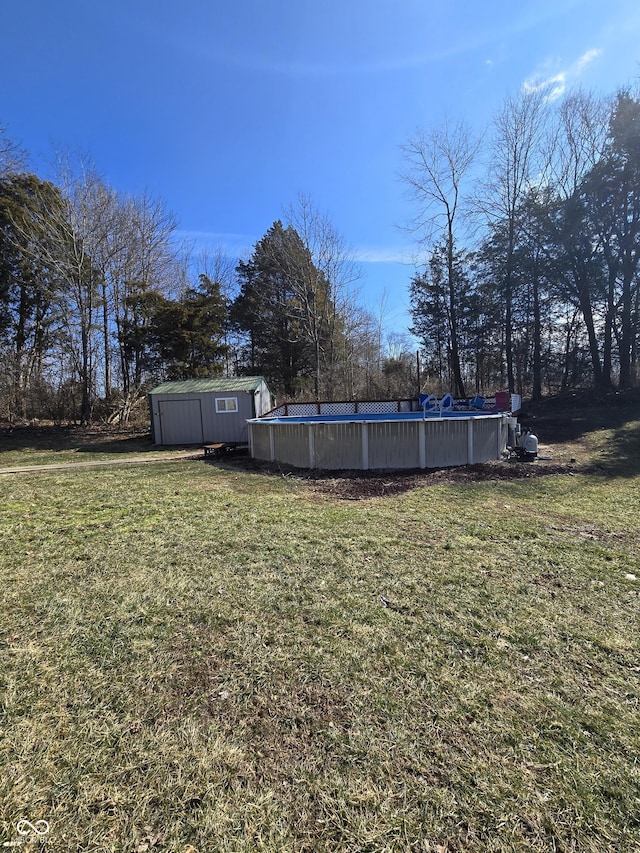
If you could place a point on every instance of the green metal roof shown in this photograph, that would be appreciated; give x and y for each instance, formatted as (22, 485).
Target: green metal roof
(199, 386)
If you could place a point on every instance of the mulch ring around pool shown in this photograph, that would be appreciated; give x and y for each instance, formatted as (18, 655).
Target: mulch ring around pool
(361, 485)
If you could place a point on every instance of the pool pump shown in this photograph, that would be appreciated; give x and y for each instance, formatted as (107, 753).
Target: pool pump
(522, 443)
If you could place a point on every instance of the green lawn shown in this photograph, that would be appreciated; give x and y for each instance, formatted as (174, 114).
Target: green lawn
(26, 446)
(195, 658)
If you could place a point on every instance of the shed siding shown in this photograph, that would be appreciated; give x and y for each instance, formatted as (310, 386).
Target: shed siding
(174, 416)
(185, 412)
(226, 426)
(180, 421)
(263, 400)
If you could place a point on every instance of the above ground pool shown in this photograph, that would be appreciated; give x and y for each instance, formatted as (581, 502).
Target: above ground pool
(381, 440)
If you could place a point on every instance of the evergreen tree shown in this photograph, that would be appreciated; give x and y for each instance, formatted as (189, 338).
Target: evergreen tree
(177, 339)
(440, 310)
(29, 286)
(610, 195)
(280, 308)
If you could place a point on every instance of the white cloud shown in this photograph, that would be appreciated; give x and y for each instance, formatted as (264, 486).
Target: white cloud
(233, 245)
(555, 80)
(555, 86)
(585, 59)
(385, 255)
(240, 245)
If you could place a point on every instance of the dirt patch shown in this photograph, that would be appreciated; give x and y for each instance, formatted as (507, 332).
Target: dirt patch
(358, 487)
(361, 485)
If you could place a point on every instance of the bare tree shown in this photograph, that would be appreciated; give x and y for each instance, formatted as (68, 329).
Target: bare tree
(144, 260)
(12, 157)
(218, 266)
(579, 137)
(519, 160)
(323, 286)
(75, 232)
(437, 164)
(105, 245)
(579, 144)
(101, 249)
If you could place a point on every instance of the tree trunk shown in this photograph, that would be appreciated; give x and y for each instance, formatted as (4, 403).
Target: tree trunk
(453, 316)
(536, 391)
(105, 340)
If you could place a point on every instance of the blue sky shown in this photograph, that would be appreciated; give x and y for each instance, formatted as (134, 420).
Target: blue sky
(229, 110)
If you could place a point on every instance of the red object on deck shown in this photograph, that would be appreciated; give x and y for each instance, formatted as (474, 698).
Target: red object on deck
(503, 401)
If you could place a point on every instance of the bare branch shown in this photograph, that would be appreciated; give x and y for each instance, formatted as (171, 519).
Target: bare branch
(438, 161)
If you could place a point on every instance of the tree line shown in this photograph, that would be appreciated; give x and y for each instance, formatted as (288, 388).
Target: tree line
(99, 301)
(532, 237)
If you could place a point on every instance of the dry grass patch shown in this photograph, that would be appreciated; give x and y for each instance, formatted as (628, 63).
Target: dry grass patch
(201, 657)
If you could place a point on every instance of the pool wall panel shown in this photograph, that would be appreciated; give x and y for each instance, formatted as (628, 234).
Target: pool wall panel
(485, 440)
(394, 444)
(378, 444)
(338, 445)
(291, 444)
(446, 442)
(260, 442)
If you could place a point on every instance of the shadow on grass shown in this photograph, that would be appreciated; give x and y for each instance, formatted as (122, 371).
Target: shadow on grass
(79, 439)
(564, 427)
(612, 425)
(138, 443)
(621, 457)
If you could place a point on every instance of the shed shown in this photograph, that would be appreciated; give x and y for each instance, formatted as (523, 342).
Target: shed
(206, 411)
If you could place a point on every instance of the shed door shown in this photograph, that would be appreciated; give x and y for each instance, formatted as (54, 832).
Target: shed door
(180, 421)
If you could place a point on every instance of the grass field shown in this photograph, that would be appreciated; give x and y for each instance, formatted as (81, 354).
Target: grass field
(202, 658)
(30, 446)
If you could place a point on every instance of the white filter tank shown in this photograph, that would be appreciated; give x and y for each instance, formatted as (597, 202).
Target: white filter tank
(530, 444)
